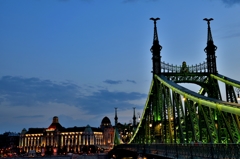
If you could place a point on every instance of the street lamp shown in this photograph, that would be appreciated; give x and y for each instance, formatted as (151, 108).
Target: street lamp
(150, 126)
(126, 135)
(160, 128)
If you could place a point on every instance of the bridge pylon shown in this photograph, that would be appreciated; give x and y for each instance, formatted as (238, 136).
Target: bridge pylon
(210, 50)
(175, 114)
(156, 49)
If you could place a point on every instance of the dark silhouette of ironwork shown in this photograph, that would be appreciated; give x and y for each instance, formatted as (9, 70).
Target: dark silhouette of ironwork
(174, 114)
(179, 123)
(210, 50)
(134, 118)
(116, 118)
(155, 49)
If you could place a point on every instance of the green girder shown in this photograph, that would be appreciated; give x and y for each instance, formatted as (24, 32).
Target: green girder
(223, 106)
(201, 118)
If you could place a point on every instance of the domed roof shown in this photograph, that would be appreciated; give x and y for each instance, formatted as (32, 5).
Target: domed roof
(55, 124)
(23, 131)
(106, 121)
(88, 129)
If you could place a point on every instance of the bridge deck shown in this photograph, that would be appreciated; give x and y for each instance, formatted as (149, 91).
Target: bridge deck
(185, 151)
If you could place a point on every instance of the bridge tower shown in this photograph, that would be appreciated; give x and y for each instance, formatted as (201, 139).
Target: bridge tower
(210, 50)
(155, 108)
(134, 118)
(175, 114)
(213, 87)
(156, 49)
(116, 118)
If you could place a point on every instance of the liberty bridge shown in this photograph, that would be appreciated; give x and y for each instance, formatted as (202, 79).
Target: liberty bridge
(179, 123)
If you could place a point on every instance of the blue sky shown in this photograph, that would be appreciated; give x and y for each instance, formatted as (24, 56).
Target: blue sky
(79, 59)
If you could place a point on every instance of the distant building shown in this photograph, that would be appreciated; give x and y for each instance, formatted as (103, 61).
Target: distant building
(108, 132)
(9, 142)
(57, 139)
(125, 131)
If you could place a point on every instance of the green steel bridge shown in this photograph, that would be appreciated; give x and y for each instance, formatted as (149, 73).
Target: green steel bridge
(176, 115)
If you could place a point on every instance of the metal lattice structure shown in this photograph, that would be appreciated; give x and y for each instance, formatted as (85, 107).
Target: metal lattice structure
(175, 114)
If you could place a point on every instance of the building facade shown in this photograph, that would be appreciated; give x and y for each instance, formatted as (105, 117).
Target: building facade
(108, 133)
(8, 143)
(57, 139)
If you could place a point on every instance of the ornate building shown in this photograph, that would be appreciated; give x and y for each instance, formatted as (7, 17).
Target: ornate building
(108, 132)
(57, 139)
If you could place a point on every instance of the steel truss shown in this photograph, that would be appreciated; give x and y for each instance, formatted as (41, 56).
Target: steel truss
(175, 114)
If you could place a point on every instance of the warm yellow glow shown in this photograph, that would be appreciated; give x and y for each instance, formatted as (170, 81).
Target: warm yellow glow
(51, 129)
(150, 125)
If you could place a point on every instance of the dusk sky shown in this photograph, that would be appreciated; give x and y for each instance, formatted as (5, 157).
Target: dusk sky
(79, 59)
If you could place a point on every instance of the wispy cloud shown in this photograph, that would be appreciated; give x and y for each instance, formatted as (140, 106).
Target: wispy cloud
(230, 31)
(231, 2)
(112, 82)
(131, 81)
(30, 116)
(31, 102)
(29, 91)
(118, 81)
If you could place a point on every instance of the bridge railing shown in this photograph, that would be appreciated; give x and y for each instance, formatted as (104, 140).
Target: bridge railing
(170, 68)
(204, 151)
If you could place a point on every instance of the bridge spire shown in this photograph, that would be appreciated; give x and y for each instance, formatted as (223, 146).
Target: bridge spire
(155, 49)
(134, 117)
(210, 50)
(116, 118)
